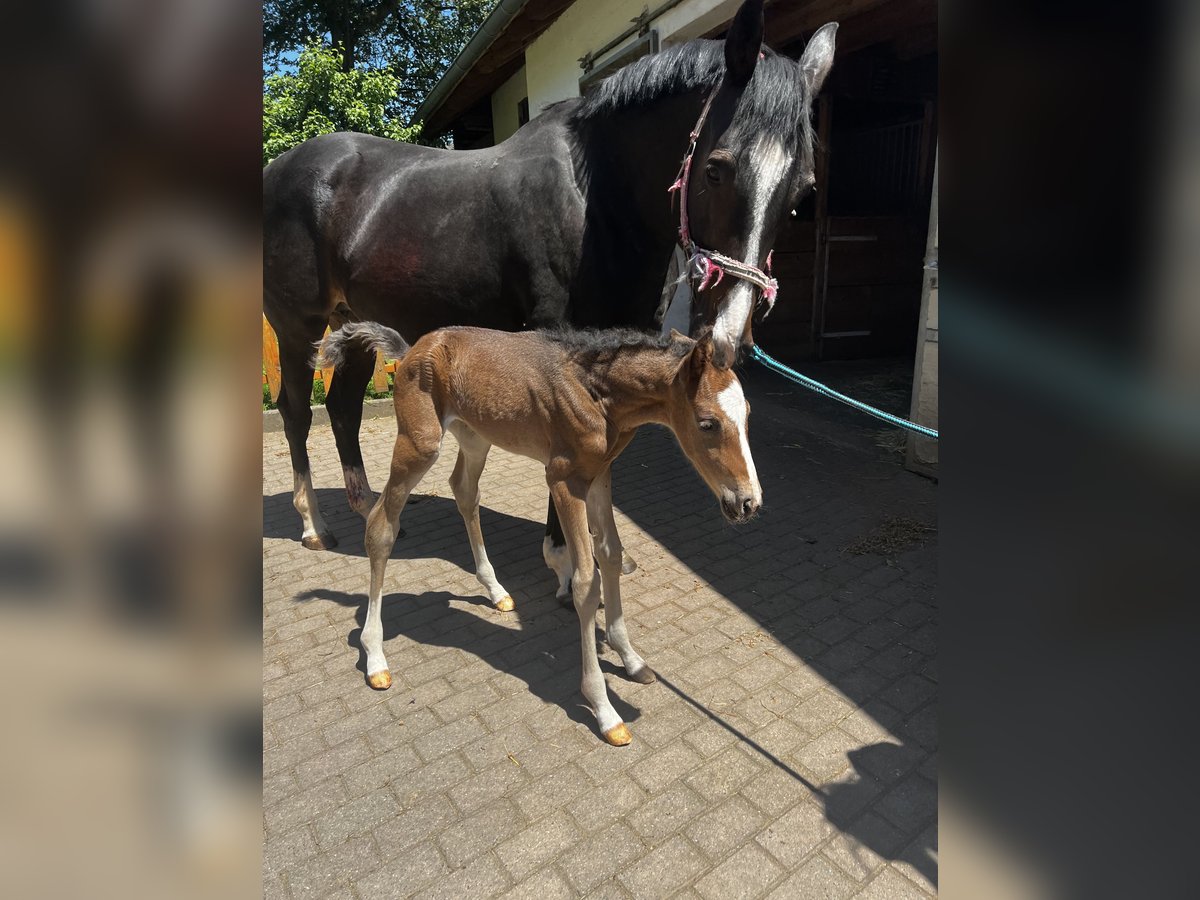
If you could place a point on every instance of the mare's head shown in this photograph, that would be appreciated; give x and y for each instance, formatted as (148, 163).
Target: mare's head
(710, 416)
(753, 165)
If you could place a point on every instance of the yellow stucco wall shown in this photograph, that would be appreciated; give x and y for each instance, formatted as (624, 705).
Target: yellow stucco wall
(552, 61)
(504, 105)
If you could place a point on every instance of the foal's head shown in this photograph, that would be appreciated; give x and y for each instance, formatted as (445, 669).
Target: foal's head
(753, 165)
(710, 416)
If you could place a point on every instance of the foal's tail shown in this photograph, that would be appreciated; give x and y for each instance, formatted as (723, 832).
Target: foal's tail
(331, 353)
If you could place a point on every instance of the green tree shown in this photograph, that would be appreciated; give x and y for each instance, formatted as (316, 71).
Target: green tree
(321, 96)
(415, 39)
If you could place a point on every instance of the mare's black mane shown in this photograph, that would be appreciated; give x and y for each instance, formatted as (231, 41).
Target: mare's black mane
(775, 101)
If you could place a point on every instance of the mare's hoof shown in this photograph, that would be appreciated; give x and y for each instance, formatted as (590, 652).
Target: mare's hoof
(381, 681)
(325, 541)
(628, 564)
(644, 675)
(618, 735)
(505, 603)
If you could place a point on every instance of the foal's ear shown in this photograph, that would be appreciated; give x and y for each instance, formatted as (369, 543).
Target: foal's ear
(818, 57)
(701, 355)
(743, 42)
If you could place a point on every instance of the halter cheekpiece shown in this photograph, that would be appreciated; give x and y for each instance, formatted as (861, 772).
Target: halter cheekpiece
(706, 268)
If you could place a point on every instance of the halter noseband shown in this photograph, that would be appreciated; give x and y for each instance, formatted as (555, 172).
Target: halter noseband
(703, 264)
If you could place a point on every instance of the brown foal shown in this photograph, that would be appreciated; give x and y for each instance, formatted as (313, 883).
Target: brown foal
(572, 401)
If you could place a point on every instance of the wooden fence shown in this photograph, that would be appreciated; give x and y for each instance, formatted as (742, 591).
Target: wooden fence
(271, 371)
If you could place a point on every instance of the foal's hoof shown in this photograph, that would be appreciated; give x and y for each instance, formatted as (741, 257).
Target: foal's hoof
(618, 735)
(381, 681)
(644, 675)
(505, 603)
(628, 564)
(323, 541)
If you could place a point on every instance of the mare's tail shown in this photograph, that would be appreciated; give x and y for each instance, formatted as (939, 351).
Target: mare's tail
(369, 335)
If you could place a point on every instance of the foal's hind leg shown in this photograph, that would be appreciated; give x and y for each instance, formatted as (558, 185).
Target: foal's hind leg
(413, 456)
(472, 456)
(345, 407)
(570, 498)
(294, 396)
(608, 557)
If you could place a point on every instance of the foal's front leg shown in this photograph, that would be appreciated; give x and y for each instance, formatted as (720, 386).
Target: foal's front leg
(571, 500)
(608, 557)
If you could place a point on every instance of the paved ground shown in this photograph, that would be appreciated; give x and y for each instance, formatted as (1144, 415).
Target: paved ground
(788, 750)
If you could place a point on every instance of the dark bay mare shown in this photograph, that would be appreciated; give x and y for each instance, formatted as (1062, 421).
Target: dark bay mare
(567, 221)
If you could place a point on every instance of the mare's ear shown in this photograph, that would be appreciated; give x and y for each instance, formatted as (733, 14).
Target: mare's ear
(818, 57)
(676, 336)
(743, 42)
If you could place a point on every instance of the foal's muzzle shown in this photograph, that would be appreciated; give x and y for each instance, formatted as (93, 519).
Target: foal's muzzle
(738, 508)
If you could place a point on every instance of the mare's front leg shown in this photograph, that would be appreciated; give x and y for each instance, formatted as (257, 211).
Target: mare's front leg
(345, 407)
(415, 452)
(608, 557)
(570, 498)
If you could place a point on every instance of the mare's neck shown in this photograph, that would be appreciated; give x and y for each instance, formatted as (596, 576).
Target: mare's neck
(625, 162)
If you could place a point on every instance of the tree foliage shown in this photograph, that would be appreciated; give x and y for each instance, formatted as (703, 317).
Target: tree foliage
(322, 96)
(416, 40)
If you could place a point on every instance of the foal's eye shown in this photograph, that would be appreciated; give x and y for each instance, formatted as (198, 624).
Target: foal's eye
(708, 424)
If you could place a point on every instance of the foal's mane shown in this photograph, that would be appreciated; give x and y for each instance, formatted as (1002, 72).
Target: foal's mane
(590, 345)
(775, 101)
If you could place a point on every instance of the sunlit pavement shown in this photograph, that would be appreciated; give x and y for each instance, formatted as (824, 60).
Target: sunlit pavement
(787, 750)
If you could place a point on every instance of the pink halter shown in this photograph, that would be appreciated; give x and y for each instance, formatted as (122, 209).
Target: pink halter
(703, 264)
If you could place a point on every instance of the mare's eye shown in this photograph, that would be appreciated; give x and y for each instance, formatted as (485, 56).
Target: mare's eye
(713, 173)
(708, 424)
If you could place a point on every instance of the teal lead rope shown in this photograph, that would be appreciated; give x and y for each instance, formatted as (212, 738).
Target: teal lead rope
(804, 381)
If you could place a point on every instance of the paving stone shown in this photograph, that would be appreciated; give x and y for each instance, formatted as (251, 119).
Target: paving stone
(605, 804)
(601, 857)
(864, 846)
(537, 845)
(321, 874)
(817, 879)
(547, 884)
(482, 878)
(795, 834)
(662, 871)
(355, 817)
(302, 808)
(724, 774)
(826, 756)
(551, 791)
(728, 825)
(413, 825)
(824, 660)
(891, 885)
(775, 790)
(473, 835)
(378, 771)
(404, 875)
(667, 812)
(747, 873)
(910, 804)
(664, 766)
